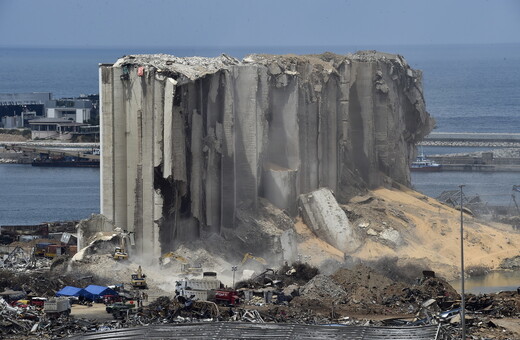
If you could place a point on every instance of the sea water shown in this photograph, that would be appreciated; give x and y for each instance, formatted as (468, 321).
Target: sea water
(469, 88)
(32, 195)
(489, 283)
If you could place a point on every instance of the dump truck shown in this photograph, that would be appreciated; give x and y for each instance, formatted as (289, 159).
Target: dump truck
(198, 289)
(56, 307)
(207, 288)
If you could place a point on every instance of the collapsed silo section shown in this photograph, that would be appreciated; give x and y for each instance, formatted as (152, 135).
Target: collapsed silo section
(181, 141)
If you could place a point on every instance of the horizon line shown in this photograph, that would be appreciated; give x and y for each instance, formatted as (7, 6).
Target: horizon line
(104, 47)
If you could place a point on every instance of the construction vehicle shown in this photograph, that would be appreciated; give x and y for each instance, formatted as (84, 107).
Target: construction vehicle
(249, 256)
(208, 288)
(119, 252)
(54, 250)
(167, 258)
(186, 268)
(139, 279)
(40, 248)
(171, 257)
(198, 289)
(54, 308)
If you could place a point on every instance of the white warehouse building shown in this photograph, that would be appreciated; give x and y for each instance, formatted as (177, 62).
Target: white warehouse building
(78, 110)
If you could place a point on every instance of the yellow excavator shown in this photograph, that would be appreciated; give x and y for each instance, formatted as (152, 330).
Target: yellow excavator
(171, 256)
(167, 259)
(119, 252)
(249, 256)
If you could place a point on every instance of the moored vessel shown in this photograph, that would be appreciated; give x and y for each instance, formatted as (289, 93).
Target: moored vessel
(422, 163)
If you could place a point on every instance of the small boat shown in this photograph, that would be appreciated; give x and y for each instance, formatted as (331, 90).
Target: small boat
(422, 163)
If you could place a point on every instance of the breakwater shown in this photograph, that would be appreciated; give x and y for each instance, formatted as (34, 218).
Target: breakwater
(25, 152)
(505, 157)
(485, 162)
(470, 139)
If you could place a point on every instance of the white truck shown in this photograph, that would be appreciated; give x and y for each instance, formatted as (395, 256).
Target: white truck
(199, 289)
(56, 307)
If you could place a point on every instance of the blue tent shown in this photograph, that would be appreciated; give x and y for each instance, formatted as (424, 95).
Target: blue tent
(70, 291)
(94, 292)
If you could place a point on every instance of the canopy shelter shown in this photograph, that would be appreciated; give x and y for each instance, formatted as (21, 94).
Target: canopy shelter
(94, 292)
(70, 291)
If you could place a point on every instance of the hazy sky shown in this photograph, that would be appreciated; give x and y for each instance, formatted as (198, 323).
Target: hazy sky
(170, 23)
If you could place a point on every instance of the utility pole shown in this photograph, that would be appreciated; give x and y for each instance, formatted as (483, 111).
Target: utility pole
(463, 302)
(234, 269)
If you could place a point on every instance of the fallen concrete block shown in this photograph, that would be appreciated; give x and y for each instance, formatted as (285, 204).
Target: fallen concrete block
(321, 212)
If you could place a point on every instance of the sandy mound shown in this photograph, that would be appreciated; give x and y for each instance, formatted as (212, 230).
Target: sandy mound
(417, 230)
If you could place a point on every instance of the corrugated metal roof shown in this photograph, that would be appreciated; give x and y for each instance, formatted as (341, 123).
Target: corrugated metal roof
(240, 330)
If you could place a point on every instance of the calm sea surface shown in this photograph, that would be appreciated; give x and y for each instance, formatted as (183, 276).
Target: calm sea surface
(31, 195)
(494, 188)
(490, 283)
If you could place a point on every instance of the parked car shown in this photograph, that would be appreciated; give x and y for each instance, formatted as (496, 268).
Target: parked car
(447, 315)
(119, 306)
(38, 301)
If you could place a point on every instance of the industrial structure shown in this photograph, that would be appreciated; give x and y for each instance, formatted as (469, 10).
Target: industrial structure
(187, 143)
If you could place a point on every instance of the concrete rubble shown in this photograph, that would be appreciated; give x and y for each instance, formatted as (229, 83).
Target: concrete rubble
(352, 296)
(322, 213)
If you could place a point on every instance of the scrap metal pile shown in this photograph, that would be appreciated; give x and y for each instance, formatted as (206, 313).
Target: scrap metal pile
(359, 296)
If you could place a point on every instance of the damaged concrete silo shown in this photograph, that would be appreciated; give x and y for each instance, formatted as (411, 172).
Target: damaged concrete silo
(188, 141)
